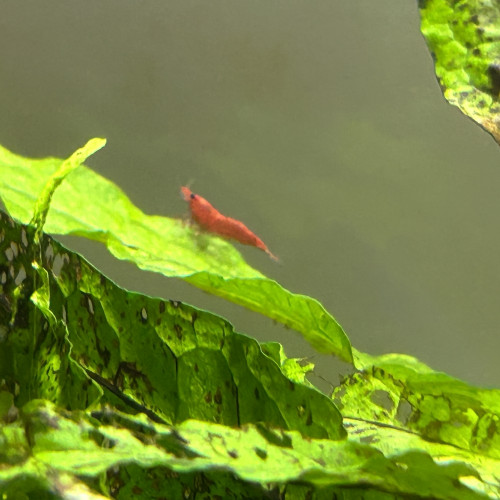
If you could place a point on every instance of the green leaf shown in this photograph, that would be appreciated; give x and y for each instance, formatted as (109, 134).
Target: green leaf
(88, 205)
(295, 369)
(401, 392)
(6, 403)
(464, 39)
(83, 447)
(42, 204)
(34, 345)
(393, 441)
(100, 343)
(71, 337)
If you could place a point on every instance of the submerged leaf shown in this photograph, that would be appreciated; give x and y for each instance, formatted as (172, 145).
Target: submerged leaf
(205, 458)
(241, 420)
(95, 342)
(399, 391)
(88, 205)
(42, 204)
(464, 39)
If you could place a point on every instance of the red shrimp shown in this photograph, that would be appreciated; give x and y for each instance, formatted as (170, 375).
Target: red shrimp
(212, 221)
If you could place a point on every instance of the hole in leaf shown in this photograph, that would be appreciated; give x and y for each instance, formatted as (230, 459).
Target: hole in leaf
(382, 399)
(404, 411)
(9, 254)
(24, 238)
(57, 265)
(49, 253)
(14, 248)
(90, 306)
(368, 439)
(21, 276)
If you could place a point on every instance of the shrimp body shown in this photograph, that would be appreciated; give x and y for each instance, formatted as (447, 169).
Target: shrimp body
(212, 221)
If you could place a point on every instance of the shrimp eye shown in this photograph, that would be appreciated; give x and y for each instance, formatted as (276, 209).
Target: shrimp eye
(193, 196)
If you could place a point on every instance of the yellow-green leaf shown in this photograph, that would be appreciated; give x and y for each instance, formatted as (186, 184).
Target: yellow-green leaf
(89, 205)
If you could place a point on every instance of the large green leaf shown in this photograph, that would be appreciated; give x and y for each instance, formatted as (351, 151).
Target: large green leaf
(88, 205)
(398, 403)
(165, 358)
(197, 458)
(100, 344)
(393, 440)
(70, 336)
(405, 394)
(464, 39)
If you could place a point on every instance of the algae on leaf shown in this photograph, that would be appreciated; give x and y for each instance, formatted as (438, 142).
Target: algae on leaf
(464, 39)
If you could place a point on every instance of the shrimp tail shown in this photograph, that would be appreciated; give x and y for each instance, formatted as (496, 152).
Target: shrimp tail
(274, 257)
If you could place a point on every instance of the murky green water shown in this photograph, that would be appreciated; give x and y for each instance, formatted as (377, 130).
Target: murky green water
(320, 125)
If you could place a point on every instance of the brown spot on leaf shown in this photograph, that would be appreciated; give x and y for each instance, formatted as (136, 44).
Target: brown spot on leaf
(178, 331)
(309, 420)
(218, 396)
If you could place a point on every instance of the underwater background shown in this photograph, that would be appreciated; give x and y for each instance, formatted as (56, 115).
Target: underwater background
(320, 125)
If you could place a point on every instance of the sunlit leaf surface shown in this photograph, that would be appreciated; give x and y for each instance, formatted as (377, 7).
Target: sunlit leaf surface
(88, 336)
(464, 39)
(88, 205)
(400, 403)
(201, 458)
(109, 393)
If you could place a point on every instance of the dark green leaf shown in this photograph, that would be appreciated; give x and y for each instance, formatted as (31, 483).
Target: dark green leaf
(166, 358)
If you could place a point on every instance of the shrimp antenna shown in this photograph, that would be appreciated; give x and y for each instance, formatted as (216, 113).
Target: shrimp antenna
(188, 184)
